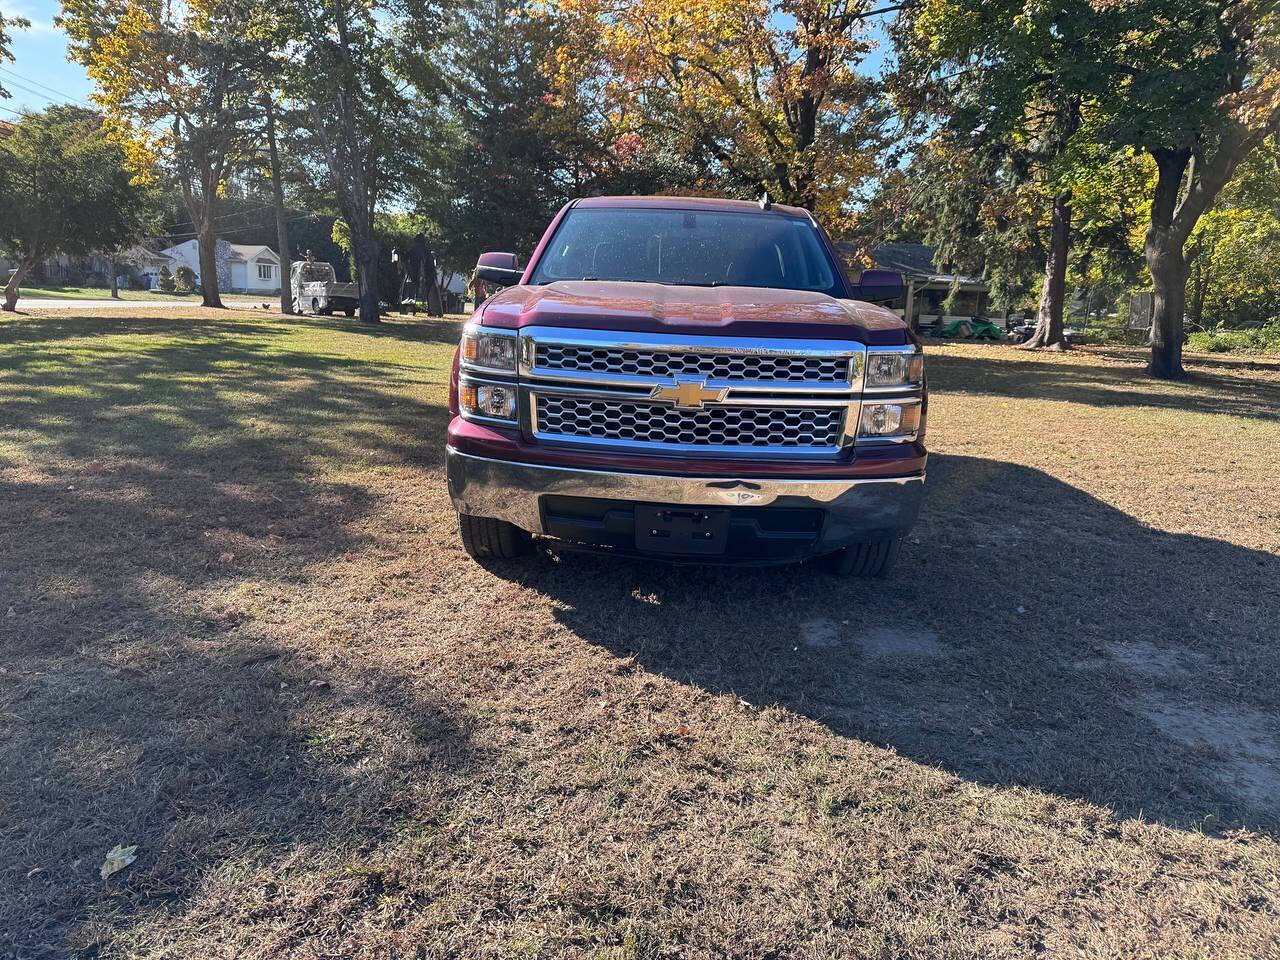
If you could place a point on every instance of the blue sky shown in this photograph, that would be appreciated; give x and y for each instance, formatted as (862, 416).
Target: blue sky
(41, 73)
(40, 61)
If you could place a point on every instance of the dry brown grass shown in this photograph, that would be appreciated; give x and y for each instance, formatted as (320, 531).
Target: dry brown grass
(244, 638)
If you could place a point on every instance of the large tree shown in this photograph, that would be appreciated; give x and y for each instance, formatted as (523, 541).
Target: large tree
(7, 23)
(346, 79)
(64, 189)
(768, 91)
(490, 171)
(998, 81)
(172, 81)
(1196, 84)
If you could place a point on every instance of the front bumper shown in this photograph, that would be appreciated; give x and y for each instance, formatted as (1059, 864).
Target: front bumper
(844, 510)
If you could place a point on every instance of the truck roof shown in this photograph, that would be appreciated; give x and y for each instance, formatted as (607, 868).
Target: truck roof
(696, 203)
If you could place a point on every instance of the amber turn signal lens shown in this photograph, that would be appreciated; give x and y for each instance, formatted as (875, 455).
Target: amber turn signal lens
(470, 348)
(467, 397)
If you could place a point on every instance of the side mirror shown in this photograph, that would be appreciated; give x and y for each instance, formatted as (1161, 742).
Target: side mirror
(880, 286)
(500, 268)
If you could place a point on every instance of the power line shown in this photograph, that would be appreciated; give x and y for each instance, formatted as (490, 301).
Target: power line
(42, 86)
(235, 230)
(225, 216)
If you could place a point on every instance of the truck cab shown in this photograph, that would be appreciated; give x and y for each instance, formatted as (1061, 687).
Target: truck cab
(688, 379)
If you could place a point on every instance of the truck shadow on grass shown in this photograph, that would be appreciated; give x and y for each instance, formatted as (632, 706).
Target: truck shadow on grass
(1031, 636)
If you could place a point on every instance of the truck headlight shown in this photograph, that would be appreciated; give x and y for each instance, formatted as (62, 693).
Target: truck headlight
(494, 351)
(495, 400)
(889, 419)
(894, 368)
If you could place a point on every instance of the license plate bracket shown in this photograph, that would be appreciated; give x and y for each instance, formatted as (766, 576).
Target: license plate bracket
(702, 531)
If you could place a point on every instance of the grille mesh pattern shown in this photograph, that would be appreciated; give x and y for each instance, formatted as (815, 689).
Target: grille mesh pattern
(795, 427)
(717, 366)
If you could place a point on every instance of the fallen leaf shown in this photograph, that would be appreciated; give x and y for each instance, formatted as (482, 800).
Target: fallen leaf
(117, 859)
(226, 557)
(11, 613)
(682, 731)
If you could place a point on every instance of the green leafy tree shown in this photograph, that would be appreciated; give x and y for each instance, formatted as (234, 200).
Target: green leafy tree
(491, 181)
(996, 82)
(165, 280)
(1196, 85)
(64, 189)
(346, 78)
(1233, 254)
(7, 23)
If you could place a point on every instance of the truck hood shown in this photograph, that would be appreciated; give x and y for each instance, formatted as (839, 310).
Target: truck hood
(704, 311)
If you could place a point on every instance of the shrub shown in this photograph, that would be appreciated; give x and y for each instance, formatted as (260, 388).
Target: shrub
(1264, 339)
(185, 278)
(165, 280)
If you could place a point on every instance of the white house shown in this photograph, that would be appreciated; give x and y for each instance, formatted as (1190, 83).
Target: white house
(242, 267)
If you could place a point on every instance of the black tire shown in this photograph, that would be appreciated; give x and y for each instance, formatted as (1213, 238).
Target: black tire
(315, 305)
(350, 311)
(487, 539)
(875, 559)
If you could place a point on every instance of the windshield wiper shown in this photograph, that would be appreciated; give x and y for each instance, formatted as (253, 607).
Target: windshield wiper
(617, 280)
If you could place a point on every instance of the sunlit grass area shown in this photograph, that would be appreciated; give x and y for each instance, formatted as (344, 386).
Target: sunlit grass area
(237, 631)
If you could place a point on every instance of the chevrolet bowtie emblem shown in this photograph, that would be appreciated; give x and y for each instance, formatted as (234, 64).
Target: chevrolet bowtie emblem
(689, 393)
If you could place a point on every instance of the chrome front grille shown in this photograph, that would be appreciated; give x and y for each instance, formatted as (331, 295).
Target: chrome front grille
(798, 428)
(712, 365)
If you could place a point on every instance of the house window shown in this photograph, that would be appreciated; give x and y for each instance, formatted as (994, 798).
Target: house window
(264, 270)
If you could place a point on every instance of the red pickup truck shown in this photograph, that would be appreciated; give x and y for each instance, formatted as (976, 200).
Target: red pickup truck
(689, 379)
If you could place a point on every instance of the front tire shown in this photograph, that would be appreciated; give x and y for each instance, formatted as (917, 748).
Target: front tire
(485, 538)
(875, 559)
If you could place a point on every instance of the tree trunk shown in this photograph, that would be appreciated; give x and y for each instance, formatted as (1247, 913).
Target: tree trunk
(115, 281)
(364, 250)
(282, 222)
(11, 290)
(1049, 335)
(1169, 275)
(208, 244)
(1168, 265)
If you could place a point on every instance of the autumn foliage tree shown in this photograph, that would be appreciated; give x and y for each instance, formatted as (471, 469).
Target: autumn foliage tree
(171, 79)
(768, 92)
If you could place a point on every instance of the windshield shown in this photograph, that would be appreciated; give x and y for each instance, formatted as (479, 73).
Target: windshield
(694, 247)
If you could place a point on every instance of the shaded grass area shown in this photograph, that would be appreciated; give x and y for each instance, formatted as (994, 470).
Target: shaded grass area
(245, 639)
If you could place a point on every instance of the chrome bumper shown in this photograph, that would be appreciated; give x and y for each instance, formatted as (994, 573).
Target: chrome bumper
(855, 509)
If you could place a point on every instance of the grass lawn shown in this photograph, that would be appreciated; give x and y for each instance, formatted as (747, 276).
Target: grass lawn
(98, 293)
(140, 296)
(238, 632)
